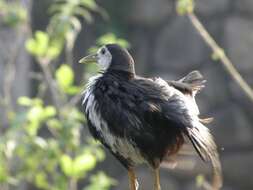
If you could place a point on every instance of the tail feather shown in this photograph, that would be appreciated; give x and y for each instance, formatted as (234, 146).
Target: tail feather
(205, 146)
(195, 80)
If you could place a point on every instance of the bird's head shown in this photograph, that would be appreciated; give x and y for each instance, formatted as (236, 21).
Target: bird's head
(111, 57)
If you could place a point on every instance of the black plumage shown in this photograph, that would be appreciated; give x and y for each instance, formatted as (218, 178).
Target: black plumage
(143, 120)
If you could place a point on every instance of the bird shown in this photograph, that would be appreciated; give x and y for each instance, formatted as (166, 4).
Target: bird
(145, 120)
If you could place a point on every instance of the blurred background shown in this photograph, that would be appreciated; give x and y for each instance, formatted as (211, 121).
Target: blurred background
(44, 142)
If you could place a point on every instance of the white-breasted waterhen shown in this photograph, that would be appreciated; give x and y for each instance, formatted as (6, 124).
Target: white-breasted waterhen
(145, 120)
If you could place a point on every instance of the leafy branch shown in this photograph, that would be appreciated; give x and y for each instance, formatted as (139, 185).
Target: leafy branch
(64, 158)
(186, 7)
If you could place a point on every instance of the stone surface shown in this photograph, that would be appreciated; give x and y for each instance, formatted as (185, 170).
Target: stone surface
(245, 6)
(231, 122)
(215, 93)
(15, 60)
(239, 42)
(189, 166)
(150, 12)
(140, 51)
(179, 47)
(239, 95)
(237, 168)
(207, 7)
(193, 186)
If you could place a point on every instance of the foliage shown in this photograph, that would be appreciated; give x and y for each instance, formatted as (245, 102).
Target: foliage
(41, 46)
(185, 6)
(100, 182)
(65, 80)
(45, 144)
(109, 38)
(12, 13)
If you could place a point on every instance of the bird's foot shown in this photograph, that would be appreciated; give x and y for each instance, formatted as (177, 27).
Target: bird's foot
(133, 183)
(157, 179)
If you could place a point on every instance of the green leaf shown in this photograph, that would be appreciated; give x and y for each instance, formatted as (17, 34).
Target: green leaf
(64, 77)
(66, 164)
(49, 111)
(41, 180)
(106, 39)
(185, 6)
(100, 181)
(35, 113)
(123, 43)
(38, 45)
(54, 123)
(3, 173)
(111, 38)
(218, 54)
(24, 101)
(53, 50)
(72, 90)
(13, 13)
(31, 46)
(42, 143)
(83, 164)
(42, 41)
(200, 180)
(32, 128)
(79, 166)
(35, 116)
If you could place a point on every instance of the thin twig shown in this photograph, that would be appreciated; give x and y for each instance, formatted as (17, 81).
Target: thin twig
(7, 87)
(50, 82)
(69, 55)
(42, 87)
(74, 100)
(36, 76)
(72, 183)
(221, 55)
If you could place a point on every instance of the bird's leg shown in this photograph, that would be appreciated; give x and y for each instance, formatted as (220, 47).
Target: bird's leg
(133, 183)
(157, 179)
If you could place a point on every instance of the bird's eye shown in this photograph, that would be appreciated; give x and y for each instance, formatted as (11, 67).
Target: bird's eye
(103, 51)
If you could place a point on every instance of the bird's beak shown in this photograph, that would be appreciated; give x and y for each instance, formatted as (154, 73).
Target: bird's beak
(89, 59)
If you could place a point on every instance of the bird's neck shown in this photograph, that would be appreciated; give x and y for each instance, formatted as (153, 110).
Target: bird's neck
(119, 73)
(124, 68)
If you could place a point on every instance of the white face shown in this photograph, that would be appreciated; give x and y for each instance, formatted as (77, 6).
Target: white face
(104, 58)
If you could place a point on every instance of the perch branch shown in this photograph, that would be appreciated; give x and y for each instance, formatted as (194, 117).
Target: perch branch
(74, 100)
(218, 51)
(50, 82)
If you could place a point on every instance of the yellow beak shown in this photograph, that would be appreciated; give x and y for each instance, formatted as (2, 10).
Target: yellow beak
(89, 59)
